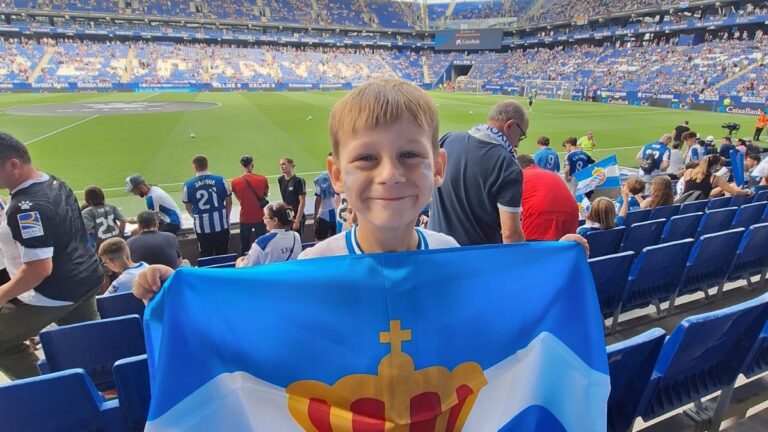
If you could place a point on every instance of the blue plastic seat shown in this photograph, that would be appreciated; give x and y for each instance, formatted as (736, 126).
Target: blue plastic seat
(748, 215)
(740, 200)
(664, 212)
(757, 359)
(718, 203)
(637, 216)
(693, 207)
(605, 242)
(117, 305)
(655, 275)
(752, 255)
(709, 261)
(760, 196)
(216, 260)
(610, 274)
(681, 227)
(94, 346)
(59, 402)
(630, 363)
(716, 221)
(132, 384)
(641, 235)
(703, 355)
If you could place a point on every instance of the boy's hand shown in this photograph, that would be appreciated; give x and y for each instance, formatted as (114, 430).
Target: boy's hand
(149, 281)
(624, 192)
(296, 225)
(575, 238)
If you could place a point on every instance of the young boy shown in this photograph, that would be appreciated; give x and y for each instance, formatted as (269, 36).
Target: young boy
(114, 253)
(635, 186)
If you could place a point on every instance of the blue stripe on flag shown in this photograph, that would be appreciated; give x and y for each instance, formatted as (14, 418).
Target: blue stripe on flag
(602, 174)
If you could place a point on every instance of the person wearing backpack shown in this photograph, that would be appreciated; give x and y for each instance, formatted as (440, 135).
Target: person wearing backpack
(251, 191)
(654, 157)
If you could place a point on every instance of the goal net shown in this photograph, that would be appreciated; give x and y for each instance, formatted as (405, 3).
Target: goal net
(468, 85)
(549, 89)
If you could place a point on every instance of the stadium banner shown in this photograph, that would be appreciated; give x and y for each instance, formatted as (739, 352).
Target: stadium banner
(396, 341)
(603, 174)
(448, 40)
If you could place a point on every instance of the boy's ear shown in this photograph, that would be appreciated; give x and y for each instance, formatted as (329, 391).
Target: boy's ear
(334, 170)
(441, 159)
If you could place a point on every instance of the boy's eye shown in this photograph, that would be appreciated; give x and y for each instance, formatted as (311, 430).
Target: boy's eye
(410, 154)
(365, 158)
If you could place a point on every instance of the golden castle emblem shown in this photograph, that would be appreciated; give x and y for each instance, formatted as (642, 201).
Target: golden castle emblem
(398, 399)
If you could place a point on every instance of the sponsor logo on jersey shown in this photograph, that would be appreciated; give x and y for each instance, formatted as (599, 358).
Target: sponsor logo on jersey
(30, 224)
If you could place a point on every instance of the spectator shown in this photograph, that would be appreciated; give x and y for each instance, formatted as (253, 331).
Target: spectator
(676, 160)
(695, 151)
(251, 191)
(153, 246)
(704, 180)
(661, 193)
(725, 148)
(635, 187)
(325, 213)
(281, 243)
(59, 273)
(208, 200)
(576, 160)
(587, 143)
(708, 145)
(479, 201)
(116, 256)
(760, 124)
(679, 131)
(751, 162)
(158, 201)
(10, 257)
(654, 157)
(546, 158)
(602, 214)
(752, 148)
(102, 221)
(549, 210)
(293, 191)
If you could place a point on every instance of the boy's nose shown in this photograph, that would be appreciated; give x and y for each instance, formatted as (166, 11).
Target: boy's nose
(390, 171)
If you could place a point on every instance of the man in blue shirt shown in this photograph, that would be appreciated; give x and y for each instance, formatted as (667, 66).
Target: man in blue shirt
(660, 151)
(576, 160)
(546, 158)
(209, 201)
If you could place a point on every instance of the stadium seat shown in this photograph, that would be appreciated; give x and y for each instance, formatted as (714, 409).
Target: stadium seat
(63, 401)
(655, 275)
(748, 215)
(132, 384)
(704, 354)
(610, 274)
(664, 212)
(94, 346)
(708, 262)
(718, 203)
(715, 221)
(641, 235)
(740, 200)
(693, 207)
(117, 305)
(637, 216)
(216, 260)
(681, 227)
(760, 196)
(630, 363)
(752, 255)
(605, 242)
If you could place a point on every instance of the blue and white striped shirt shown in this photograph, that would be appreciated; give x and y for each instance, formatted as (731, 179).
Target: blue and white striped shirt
(207, 194)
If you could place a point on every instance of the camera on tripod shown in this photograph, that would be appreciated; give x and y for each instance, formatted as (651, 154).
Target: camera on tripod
(731, 127)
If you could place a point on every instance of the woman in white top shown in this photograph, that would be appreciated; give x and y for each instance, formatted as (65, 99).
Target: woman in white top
(279, 244)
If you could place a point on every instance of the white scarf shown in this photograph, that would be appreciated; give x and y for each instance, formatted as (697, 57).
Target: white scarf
(488, 133)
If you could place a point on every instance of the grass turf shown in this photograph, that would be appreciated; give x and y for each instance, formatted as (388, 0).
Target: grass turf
(103, 150)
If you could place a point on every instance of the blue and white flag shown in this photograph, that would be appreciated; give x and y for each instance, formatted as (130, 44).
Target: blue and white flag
(602, 174)
(478, 339)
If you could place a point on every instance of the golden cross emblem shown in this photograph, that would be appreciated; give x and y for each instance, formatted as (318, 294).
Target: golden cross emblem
(395, 336)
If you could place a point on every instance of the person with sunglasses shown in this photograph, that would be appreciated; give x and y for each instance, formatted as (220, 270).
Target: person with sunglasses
(479, 201)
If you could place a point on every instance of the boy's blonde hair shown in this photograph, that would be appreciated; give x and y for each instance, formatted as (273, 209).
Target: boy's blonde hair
(382, 103)
(635, 185)
(603, 213)
(115, 249)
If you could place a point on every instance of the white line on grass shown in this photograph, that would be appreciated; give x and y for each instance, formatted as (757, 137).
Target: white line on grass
(76, 123)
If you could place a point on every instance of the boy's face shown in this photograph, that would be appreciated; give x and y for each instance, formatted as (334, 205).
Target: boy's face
(285, 167)
(110, 264)
(388, 173)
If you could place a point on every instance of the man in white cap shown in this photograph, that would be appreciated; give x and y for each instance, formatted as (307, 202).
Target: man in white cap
(158, 201)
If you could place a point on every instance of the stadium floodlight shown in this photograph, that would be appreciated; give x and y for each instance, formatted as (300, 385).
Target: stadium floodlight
(731, 127)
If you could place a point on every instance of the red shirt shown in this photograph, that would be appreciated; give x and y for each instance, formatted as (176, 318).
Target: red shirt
(250, 210)
(549, 209)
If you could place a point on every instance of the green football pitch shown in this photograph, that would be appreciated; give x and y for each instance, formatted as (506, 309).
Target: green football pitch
(103, 149)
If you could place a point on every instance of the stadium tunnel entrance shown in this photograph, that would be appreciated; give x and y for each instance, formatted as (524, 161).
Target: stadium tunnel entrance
(459, 69)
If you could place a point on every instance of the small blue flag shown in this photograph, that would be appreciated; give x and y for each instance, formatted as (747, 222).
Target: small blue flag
(602, 174)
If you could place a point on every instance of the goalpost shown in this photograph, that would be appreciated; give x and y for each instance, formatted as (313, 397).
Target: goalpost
(549, 89)
(468, 85)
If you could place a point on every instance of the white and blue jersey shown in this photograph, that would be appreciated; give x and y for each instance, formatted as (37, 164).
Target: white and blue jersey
(660, 154)
(577, 161)
(325, 193)
(695, 153)
(633, 204)
(207, 194)
(346, 243)
(160, 202)
(275, 246)
(547, 159)
(124, 282)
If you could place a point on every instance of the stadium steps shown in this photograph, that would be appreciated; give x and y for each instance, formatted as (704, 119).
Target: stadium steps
(746, 70)
(424, 15)
(368, 14)
(427, 75)
(49, 52)
(128, 72)
(535, 9)
(205, 70)
(450, 9)
(386, 65)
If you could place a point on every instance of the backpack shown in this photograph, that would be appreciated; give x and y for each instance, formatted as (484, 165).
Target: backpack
(648, 165)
